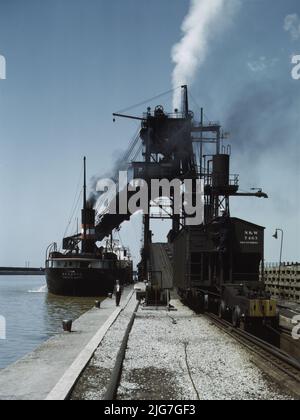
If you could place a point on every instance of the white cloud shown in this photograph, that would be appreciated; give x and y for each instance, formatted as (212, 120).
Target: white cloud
(261, 64)
(292, 25)
(2, 68)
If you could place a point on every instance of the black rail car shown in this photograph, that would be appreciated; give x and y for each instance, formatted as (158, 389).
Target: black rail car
(217, 268)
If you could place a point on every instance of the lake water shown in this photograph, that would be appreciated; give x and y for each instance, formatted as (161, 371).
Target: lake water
(32, 315)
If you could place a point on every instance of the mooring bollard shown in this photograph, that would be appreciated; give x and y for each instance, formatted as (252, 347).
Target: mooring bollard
(67, 325)
(97, 304)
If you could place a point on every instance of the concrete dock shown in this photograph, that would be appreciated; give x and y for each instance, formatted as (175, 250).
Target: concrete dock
(95, 379)
(175, 355)
(170, 355)
(51, 368)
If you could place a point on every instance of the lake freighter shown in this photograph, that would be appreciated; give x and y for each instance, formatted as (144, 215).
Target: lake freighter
(84, 269)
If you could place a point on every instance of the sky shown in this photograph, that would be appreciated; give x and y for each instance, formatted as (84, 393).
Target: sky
(72, 63)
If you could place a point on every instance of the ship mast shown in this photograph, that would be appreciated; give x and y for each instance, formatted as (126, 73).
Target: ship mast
(84, 195)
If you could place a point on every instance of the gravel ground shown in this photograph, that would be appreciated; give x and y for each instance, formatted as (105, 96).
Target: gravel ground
(92, 384)
(180, 355)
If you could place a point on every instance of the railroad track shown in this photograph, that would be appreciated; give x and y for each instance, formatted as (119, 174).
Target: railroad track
(274, 357)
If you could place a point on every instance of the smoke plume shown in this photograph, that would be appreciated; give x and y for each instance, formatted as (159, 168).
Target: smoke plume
(264, 118)
(204, 19)
(120, 164)
(265, 130)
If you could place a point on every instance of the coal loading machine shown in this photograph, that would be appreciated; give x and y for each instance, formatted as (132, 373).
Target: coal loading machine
(217, 263)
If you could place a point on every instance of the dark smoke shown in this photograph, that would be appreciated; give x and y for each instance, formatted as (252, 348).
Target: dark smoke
(264, 118)
(120, 164)
(265, 133)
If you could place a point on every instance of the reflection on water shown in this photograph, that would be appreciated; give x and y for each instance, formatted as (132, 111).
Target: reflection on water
(59, 308)
(32, 315)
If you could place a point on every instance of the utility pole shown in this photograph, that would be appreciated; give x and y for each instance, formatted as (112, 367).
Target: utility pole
(281, 248)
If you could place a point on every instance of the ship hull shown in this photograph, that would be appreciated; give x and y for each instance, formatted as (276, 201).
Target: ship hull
(84, 282)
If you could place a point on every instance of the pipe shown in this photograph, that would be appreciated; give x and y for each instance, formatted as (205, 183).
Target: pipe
(129, 116)
(185, 101)
(258, 194)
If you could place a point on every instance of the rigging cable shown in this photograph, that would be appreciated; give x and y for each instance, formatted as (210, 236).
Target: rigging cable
(128, 157)
(75, 202)
(148, 100)
(76, 208)
(198, 106)
(120, 239)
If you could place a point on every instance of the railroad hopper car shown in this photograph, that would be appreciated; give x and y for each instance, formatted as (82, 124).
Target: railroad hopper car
(217, 269)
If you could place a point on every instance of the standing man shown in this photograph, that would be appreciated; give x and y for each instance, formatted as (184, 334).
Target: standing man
(118, 292)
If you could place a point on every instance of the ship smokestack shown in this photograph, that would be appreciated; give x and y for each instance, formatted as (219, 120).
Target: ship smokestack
(88, 215)
(88, 234)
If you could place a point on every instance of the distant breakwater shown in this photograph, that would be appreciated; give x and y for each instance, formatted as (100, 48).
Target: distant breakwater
(21, 271)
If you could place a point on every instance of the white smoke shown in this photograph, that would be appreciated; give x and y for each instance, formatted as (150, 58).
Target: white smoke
(204, 19)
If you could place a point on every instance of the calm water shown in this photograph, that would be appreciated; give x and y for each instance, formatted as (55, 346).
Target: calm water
(32, 315)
